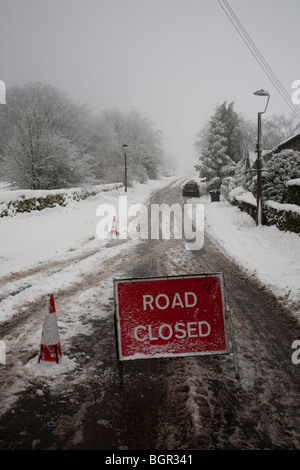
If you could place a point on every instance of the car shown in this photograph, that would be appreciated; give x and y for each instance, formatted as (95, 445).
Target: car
(191, 188)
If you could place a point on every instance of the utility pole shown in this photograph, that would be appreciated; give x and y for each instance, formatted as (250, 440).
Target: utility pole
(259, 160)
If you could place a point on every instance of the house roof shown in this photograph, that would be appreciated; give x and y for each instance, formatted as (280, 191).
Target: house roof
(282, 145)
(289, 139)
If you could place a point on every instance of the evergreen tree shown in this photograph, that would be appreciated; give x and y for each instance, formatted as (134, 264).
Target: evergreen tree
(213, 147)
(233, 131)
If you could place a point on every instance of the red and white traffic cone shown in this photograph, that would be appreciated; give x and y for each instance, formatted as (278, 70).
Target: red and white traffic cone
(114, 229)
(50, 345)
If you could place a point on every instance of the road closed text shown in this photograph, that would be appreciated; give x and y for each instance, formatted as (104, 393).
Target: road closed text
(167, 332)
(162, 301)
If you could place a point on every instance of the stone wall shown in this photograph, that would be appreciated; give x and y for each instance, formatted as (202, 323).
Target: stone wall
(13, 202)
(286, 217)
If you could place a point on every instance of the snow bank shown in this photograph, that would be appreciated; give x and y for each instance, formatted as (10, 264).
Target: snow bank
(248, 198)
(34, 368)
(240, 194)
(283, 207)
(7, 196)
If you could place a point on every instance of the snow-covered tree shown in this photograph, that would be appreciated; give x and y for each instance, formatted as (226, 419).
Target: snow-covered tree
(144, 143)
(59, 112)
(111, 131)
(278, 128)
(43, 139)
(213, 145)
(232, 130)
(37, 157)
(38, 117)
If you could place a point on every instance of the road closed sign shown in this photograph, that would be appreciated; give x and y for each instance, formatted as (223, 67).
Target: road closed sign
(170, 316)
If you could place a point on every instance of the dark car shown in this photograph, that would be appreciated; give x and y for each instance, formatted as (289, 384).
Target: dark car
(191, 188)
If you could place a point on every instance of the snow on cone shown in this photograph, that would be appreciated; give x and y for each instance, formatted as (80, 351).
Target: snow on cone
(50, 345)
(114, 229)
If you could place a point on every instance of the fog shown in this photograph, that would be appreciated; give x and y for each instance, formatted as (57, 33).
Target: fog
(172, 60)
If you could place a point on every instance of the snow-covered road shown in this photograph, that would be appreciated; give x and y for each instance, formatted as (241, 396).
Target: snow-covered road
(60, 253)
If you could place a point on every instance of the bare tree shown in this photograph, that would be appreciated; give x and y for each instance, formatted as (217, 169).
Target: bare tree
(277, 128)
(110, 131)
(39, 152)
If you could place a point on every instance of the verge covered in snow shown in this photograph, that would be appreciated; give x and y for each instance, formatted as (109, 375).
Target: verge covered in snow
(269, 254)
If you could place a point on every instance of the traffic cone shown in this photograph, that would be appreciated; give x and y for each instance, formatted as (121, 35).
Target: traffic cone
(50, 345)
(114, 230)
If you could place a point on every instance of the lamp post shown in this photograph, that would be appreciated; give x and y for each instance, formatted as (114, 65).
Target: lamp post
(259, 160)
(124, 147)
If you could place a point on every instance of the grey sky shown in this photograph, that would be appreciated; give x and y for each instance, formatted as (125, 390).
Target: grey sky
(172, 60)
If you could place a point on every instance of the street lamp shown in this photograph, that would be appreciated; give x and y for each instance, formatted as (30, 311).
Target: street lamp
(259, 160)
(124, 147)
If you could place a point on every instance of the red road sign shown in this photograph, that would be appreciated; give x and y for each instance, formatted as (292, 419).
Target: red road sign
(170, 316)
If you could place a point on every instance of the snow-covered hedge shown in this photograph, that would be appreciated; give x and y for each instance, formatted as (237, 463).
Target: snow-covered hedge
(12, 202)
(293, 196)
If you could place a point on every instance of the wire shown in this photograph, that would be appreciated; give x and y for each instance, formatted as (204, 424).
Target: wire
(256, 50)
(282, 91)
(257, 54)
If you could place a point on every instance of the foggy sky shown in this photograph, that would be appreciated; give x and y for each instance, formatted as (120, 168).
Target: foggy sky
(171, 60)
